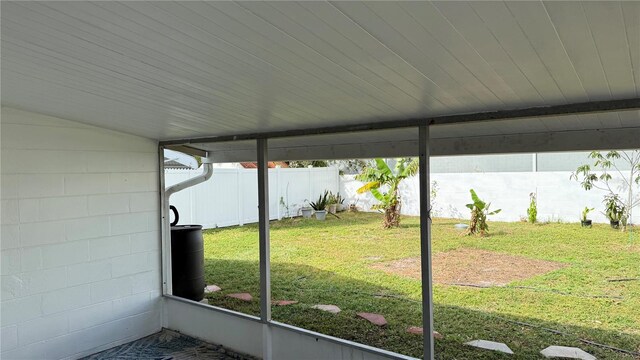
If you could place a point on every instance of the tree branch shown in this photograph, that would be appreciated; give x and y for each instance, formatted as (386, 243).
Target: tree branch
(620, 172)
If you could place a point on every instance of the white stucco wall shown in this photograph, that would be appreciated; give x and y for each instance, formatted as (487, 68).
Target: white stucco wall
(80, 238)
(559, 198)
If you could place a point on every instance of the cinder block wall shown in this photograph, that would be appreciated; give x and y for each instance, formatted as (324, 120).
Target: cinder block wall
(80, 237)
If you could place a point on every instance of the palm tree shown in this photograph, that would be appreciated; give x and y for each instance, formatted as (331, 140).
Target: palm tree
(381, 175)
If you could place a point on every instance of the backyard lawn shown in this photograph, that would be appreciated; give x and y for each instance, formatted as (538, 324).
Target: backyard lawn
(551, 276)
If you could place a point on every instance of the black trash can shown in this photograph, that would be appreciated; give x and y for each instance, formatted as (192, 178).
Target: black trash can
(187, 260)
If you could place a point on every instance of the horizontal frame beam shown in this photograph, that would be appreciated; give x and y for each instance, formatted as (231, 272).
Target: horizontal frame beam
(540, 111)
(187, 150)
(386, 354)
(580, 140)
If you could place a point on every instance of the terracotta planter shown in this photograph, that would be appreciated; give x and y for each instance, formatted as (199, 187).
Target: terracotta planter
(332, 208)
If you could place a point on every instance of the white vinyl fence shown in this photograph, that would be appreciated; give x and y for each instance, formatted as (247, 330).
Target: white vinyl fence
(230, 197)
(559, 198)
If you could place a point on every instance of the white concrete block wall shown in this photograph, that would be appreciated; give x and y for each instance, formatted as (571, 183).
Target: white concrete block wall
(80, 238)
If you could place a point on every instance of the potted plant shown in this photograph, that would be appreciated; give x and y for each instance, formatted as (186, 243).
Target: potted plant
(320, 206)
(332, 203)
(307, 211)
(614, 210)
(584, 221)
(339, 203)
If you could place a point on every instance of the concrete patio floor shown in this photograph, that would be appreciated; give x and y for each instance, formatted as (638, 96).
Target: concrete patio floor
(168, 345)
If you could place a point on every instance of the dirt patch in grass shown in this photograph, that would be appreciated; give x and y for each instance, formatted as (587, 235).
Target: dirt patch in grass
(473, 267)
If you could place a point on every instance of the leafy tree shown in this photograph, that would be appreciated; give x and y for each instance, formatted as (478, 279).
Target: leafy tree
(380, 175)
(606, 164)
(479, 212)
(307, 163)
(349, 166)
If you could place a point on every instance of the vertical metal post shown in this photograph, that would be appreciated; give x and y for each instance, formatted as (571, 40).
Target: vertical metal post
(265, 262)
(425, 243)
(263, 218)
(165, 228)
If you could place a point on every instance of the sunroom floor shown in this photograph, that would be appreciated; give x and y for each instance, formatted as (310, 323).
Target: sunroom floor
(168, 345)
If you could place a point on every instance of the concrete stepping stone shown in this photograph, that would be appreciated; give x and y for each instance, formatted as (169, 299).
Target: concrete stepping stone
(375, 319)
(211, 289)
(284, 302)
(567, 353)
(490, 345)
(419, 331)
(241, 296)
(328, 308)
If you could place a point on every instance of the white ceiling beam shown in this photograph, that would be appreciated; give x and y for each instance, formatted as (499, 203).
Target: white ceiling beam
(494, 144)
(590, 107)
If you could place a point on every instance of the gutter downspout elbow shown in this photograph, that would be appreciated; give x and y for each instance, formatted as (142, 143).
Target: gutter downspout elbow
(206, 175)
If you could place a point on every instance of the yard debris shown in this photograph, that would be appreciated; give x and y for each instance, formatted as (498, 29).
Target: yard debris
(241, 296)
(419, 331)
(204, 301)
(490, 345)
(567, 353)
(375, 319)
(284, 302)
(623, 279)
(328, 308)
(211, 289)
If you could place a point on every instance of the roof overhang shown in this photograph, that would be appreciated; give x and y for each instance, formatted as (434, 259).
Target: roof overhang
(332, 79)
(513, 131)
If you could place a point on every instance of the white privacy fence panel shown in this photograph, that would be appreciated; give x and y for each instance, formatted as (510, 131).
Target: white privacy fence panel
(230, 197)
(559, 198)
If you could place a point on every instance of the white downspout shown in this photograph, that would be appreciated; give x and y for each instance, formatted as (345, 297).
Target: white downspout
(206, 175)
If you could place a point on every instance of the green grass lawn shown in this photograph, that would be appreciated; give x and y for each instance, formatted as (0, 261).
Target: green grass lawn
(330, 262)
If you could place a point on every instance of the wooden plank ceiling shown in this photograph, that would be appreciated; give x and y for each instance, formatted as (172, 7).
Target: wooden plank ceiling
(168, 70)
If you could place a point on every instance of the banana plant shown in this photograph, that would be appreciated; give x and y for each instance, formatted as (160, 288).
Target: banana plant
(380, 176)
(479, 212)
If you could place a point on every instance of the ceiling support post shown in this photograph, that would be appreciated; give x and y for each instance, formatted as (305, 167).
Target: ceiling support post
(265, 261)
(165, 229)
(425, 244)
